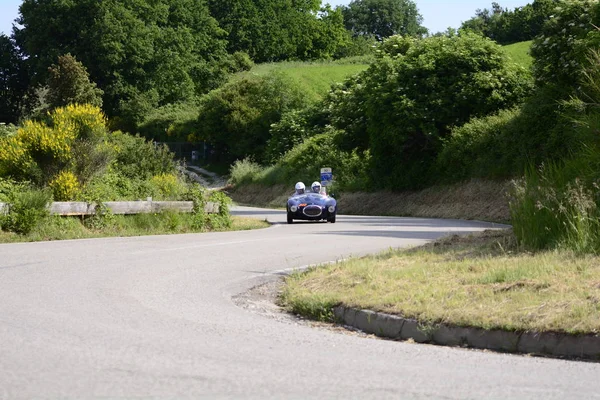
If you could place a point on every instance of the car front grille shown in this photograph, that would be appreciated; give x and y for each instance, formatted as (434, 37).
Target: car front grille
(312, 211)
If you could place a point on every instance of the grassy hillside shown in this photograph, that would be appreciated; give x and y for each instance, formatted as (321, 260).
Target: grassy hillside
(315, 77)
(519, 52)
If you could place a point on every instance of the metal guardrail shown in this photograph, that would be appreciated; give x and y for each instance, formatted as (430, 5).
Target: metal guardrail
(80, 208)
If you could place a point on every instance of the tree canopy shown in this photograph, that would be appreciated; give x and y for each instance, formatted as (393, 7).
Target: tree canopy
(383, 18)
(505, 26)
(69, 83)
(14, 80)
(141, 54)
(274, 30)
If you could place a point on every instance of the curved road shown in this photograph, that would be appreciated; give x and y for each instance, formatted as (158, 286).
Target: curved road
(153, 317)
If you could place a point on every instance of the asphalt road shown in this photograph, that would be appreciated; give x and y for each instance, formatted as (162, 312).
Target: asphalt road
(154, 317)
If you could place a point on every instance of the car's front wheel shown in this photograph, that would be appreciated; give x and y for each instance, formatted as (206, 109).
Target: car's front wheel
(290, 218)
(331, 219)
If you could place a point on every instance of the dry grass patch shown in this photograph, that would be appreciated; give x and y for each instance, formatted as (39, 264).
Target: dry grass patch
(479, 281)
(475, 199)
(247, 223)
(274, 196)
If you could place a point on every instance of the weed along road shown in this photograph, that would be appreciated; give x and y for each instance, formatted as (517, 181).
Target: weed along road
(157, 317)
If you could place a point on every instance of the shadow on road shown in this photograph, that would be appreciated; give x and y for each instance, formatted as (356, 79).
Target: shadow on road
(419, 235)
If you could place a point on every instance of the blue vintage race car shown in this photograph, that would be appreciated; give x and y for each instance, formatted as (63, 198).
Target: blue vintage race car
(311, 206)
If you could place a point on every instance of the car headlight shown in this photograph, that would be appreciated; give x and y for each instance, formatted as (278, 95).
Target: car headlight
(331, 209)
(293, 208)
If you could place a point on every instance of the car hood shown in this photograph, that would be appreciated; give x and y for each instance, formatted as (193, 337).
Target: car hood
(311, 199)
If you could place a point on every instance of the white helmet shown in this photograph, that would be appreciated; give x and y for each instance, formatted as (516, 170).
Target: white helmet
(300, 188)
(316, 187)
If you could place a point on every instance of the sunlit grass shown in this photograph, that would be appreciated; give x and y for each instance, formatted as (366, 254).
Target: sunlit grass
(63, 228)
(315, 78)
(519, 52)
(482, 282)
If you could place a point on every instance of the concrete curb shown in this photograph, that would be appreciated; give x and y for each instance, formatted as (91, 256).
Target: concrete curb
(537, 343)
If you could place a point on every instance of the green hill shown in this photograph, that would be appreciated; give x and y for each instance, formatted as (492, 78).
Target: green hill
(519, 52)
(315, 77)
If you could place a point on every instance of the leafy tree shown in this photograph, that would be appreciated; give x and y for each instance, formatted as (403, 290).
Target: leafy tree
(274, 30)
(69, 83)
(14, 81)
(236, 118)
(383, 18)
(141, 54)
(413, 98)
(561, 51)
(505, 26)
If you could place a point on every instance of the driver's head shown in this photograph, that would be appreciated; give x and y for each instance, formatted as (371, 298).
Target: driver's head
(300, 188)
(316, 187)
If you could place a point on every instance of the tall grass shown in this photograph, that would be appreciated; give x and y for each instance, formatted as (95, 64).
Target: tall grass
(27, 208)
(550, 209)
(558, 205)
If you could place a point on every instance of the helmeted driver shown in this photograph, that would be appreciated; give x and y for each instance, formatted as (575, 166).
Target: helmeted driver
(316, 187)
(300, 188)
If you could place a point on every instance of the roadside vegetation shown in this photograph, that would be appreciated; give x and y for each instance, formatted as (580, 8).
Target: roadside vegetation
(483, 281)
(70, 155)
(165, 223)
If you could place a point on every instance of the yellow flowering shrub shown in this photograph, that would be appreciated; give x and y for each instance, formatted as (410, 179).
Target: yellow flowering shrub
(65, 186)
(39, 138)
(38, 148)
(167, 186)
(14, 157)
(78, 120)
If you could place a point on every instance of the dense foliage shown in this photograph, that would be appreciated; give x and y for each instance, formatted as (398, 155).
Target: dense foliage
(141, 54)
(506, 26)
(72, 139)
(383, 18)
(170, 123)
(406, 102)
(560, 52)
(14, 81)
(274, 30)
(236, 118)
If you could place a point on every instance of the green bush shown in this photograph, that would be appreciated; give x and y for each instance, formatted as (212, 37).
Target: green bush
(170, 123)
(560, 51)
(236, 118)
(27, 208)
(137, 158)
(479, 149)
(9, 187)
(505, 144)
(7, 130)
(244, 171)
(416, 95)
(557, 205)
(115, 186)
(304, 163)
(294, 127)
(168, 187)
(356, 46)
